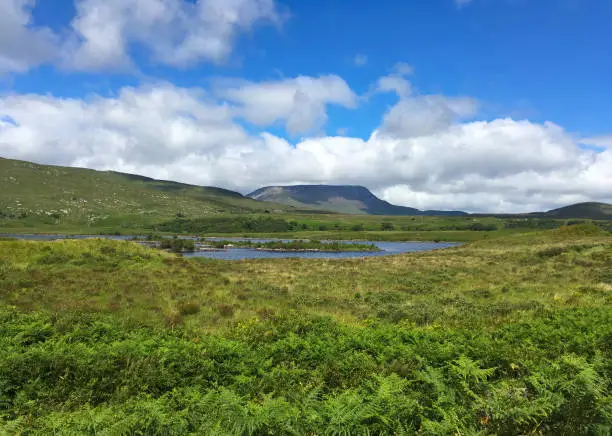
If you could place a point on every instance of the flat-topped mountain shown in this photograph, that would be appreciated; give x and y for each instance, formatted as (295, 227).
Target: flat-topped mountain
(341, 198)
(34, 193)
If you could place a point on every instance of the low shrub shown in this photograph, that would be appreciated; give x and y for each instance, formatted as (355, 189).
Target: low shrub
(226, 310)
(305, 375)
(189, 308)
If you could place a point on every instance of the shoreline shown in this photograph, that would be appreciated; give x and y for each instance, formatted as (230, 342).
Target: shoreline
(311, 250)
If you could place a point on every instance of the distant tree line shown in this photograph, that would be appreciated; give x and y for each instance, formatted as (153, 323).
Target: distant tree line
(177, 245)
(534, 223)
(226, 225)
(477, 226)
(269, 224)
(6, 214)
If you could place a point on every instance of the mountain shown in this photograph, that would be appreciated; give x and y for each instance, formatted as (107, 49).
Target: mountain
(591, 210)
(585, 211)
(342, 199)
(45, 193)
(32, 194)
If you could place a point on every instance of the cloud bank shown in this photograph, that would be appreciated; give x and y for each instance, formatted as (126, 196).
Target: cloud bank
(430, 159)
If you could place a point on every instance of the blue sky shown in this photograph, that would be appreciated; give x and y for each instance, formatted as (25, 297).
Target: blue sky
(543, 60)
(542, 67)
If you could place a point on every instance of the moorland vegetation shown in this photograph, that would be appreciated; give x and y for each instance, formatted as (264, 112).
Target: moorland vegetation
(507, 335)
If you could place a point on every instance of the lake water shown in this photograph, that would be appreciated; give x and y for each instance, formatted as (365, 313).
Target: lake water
(387, 248)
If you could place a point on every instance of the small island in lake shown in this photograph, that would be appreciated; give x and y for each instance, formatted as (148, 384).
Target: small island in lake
(186, 245)
(175, 245)
(333, 246)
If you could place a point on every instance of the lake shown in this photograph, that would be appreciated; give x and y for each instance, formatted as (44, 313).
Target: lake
(387, 248)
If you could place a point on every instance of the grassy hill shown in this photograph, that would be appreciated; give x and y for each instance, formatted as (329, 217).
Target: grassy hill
(506, 336)
(32, 194)
(591, 210)
(341, 199)
(578, 211)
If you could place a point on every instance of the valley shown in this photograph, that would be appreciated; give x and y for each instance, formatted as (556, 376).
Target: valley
(305, 218)
(507, 332)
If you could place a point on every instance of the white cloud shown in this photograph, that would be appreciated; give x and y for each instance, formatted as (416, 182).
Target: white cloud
(360, 60)
(22, 46)
(396, 81)
(426, 115)
(176, 32)
(102, 35)
(142, 126)
(300, 103)
(396, 84)
(185, 134)
(599, 141)
(420, 115)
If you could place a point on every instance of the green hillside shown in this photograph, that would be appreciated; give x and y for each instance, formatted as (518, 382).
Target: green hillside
(33, 194)
(591, 210)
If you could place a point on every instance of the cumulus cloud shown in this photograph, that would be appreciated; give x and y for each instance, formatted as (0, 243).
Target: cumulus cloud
(503, 165)
(396, 82)
(178, 33)
(420, 115)
(426, 115)
(22, 46)
(599, 141)
(300, 103)
(183, 134)
(142, 126)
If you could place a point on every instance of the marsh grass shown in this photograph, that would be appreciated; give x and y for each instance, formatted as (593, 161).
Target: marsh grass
(483, 282)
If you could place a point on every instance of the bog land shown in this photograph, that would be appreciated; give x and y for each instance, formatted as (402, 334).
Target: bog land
(511, 334)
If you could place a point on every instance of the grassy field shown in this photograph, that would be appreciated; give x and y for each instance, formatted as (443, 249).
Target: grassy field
(511, 335)
(300, 226)
(388, 236)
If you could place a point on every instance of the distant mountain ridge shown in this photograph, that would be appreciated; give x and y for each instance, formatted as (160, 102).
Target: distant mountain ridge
(351, 199)
(34, 193)
(589, 210)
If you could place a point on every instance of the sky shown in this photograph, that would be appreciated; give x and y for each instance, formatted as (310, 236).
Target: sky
(476, 105)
